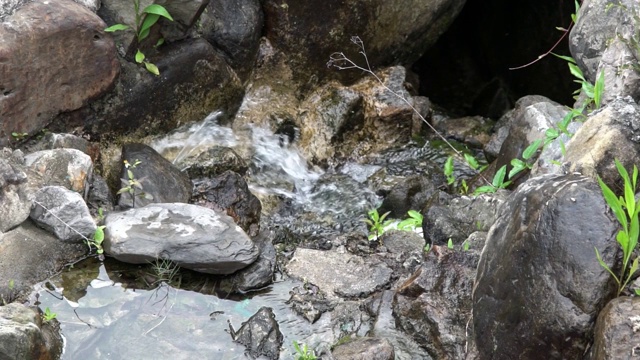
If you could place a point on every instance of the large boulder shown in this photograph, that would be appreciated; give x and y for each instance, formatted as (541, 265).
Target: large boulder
(70, 168)
(191, 236)
(611, 133)
(161, 182)
(539, 285)
(24, 336)
(56, 57)
(393, 32)
(616, 333)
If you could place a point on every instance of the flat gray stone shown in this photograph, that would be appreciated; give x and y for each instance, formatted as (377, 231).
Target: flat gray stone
(192, 236)
(338, 274)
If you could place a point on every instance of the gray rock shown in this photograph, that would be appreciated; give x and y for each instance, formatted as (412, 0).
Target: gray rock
(539, 286)
(434, 305)
(608, 134)
(92, 5)
(366, 348)
(471, 130)
(457, 218)
(618, 61)
(260, 334)
(31, 255)
(552, 157)
(616, 333)
(528, 124)
(159, 178)
(15, 204)
(596, 27)
(235, 28)
(37, 54)
(230, 193)
(185, 13)
(213, 162)
(70, 168)
(257, 275)
(23, 336)
(64, 213)
(191, 236)
(100, 196)
(66, 141)
(411, 194)
(338, 274)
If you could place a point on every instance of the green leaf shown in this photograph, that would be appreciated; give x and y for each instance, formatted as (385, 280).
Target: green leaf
(598, 90)
(116, 27)
(450, 244)
(485, 189)
(531, 149)
(149, 21)
(160, 42)
(152, 68)
(563, 150)
(157, 10)
(613, 203)
(98, 236)
(565, 58)
(498, 178)
(517, 166)
(588, 89)
(575, 71)
(466, 245)
(551, 133)
(473, 163)
(448, 166)
(606, 267)
(139, 56)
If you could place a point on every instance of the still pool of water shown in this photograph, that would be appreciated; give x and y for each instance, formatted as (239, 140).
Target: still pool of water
(106, 320)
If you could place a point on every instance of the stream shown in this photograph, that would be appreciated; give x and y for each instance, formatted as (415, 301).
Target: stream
(105, 313)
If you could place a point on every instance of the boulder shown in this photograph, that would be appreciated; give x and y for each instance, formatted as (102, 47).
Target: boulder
(257, 275)
(392, 32)
(31, 255)
(260, 334)
(616, 333)
(70, 168)
(234, 27)
(229, 192)
(339, 274)
(191, 236)
(619, 63)
(24, 336)
(369, 348)
(434, 305)
(161, 181)
(56, 57)
(213, 162)
(611, 133)
(539, 286)
(15, 204)
(597, 25)
(64, 213)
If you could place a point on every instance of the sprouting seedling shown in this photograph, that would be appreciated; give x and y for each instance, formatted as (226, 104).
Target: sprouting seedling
(145, 19)
(377, 223)
(48, 315)
(450, 243)
(413, 222)
(133, 186)
(520, 165)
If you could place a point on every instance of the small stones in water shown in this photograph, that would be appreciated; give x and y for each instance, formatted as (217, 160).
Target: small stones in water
(260, 334)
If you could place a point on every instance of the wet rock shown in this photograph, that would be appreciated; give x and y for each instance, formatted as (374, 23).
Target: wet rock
(64, 213)
(260, 334)
(194, 79)
(213, 162)
(597, 25)
(159, 178)
(235, 28)
(66, 141)
(309, 302)
(338, 274)
(611, 133)
(229, 192)
(434, 305)
(70, 168)
(364, 348)
(616, 333)
(185, 13)
(349, 319)
(191, 236)
(56, 57)
(618, 60)
(402, 241)
(23, 336)
(392, 32)
(328, 114)
(257, 275)
(528, 124)
(411, 194)
(100, 196)
(538, 287)
(552, 158)
(471, 130)
(457, 218)
(31, 255)
(15, 205)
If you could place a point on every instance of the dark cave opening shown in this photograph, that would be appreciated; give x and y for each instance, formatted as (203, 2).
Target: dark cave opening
(467, 71)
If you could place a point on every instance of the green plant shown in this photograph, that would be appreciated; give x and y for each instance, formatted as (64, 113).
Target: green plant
(377, 223)
(19, 136)
(448, 171)
(518, 165)
(165, 270)
(427, 248)
(497, 183)
(133, 186)
(465, 246)
(145, 19)
(413, 222)
(450, 243)
(96, 241)
(303, 352)
(592, 92)
(48, 315)
(626, 209)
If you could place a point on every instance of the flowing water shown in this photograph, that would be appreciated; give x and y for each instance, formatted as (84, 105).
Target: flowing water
(104, 315)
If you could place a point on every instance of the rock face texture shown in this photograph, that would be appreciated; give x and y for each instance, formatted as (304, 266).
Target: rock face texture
(55, 57)
(539, 286)
(14, 206)
(191, 236)
(260, 334)
(23, 336)
(64, 213)
(616, 334)
(70, 168)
